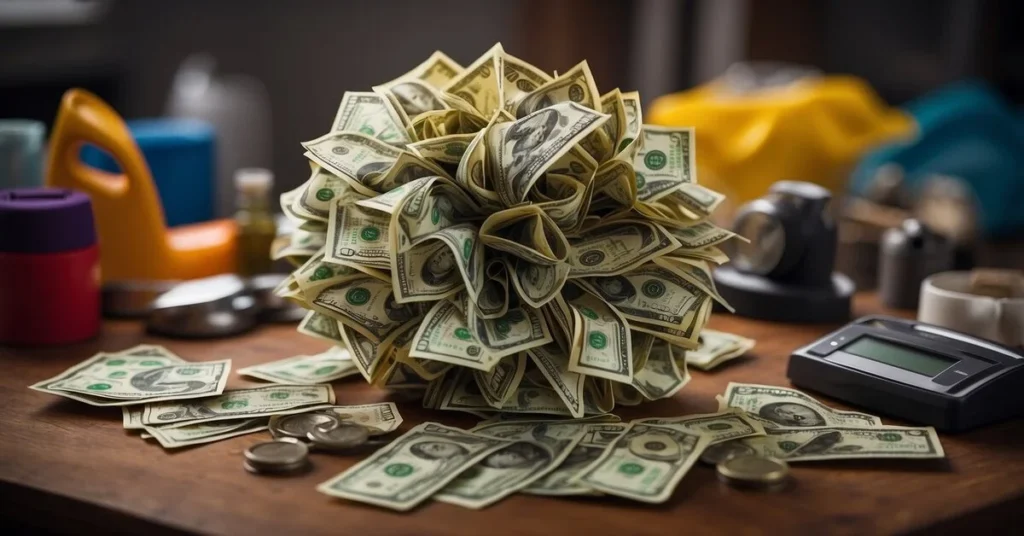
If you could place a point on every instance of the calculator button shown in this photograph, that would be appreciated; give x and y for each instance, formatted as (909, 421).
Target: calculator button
(826, 347)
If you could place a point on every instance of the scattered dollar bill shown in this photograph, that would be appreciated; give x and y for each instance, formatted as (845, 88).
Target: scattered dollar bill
(381, 418)
(646, 463)
(239, 404)
(717, 347)
(413, 467)
(780, 407)
(596, 437)
(721, 426)
(842, 442)
(127, 378)
(536, 449)
(196, 434)
(324, 367)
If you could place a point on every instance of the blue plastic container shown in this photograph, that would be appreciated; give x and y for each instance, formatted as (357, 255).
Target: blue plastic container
(181, 154)
(968, 131)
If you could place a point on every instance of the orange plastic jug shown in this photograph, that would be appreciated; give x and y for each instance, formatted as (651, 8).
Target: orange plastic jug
(812, 130)
(134, 242)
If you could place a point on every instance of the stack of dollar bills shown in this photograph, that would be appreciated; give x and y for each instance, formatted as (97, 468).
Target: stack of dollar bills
(643, 460)
(507, 239)
(177, 402)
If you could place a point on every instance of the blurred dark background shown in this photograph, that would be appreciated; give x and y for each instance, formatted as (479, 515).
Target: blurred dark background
(308, 52)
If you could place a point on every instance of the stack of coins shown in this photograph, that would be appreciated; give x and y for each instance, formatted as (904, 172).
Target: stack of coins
(341, 437)
(283, 456)
(299, 425)
(718, 453)
(754, 472)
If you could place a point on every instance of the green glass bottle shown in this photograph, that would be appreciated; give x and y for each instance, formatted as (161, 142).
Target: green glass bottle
(256, 226)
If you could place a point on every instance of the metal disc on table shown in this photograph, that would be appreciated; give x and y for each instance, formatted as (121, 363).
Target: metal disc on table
(343, 436)
(719, 452)
(289, 469)
(299, 425)
(754, 471)
(215, 306)
(284, 452)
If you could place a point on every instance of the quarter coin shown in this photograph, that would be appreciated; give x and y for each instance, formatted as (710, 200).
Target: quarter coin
(761, 472)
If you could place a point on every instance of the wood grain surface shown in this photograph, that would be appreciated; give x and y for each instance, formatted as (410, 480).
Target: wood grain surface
(70, 468)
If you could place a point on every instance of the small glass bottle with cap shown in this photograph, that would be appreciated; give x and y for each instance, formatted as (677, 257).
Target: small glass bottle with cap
(256, 226)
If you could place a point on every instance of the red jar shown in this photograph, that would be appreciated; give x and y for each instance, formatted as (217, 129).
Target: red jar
(49, 267)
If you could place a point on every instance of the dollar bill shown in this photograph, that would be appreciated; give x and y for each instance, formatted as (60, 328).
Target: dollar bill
(568, 385)
(645, 464)
(366, 305)
(519, 80)
(461, 394)
(717, 347)
(575, 85)
(406, 169)
(618, 247)
(443, 149)
(411, 97)
(353, 156)
(665, 162)
(131, 417)
(527, 233)
(320, 326)
(413, 467)
(720, 427)
(196, 434)
(520, 152)
(370, 114)
(239, 404)
(429, 210)
(700, 235)
(614, 105)
(358, 235)
(380, 418)
(134, 378)
(632, 139)
(428, 272)
(601, 346)
(325, 367)
(445, 335)
(693, 200)
(660, 377)
(779, 407)
(497, 384)
(480, 84)
(844, 442)
(595, 439)
(538, 284)
(564, 199)
(537, 449)
(320, 191)
(650, 294)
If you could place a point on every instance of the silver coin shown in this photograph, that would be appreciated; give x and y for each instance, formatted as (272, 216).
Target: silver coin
(719, 452)
(298, 425)
(286, 451)
(762, 472)
(345, 435)
(276, 469)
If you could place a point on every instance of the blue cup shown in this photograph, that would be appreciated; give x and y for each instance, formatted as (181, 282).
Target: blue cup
(181, 154)
(21, 153)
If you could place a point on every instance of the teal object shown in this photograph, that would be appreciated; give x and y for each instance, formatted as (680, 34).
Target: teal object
(21, 153)
(966, 130)
(181, 155)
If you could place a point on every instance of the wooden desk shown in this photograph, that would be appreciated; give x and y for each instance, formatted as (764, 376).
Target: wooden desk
(69, 467)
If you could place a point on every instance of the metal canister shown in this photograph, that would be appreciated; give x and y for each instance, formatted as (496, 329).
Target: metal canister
(910, 253)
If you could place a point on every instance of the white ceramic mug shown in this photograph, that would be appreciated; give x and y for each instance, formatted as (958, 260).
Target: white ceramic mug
(947, 301)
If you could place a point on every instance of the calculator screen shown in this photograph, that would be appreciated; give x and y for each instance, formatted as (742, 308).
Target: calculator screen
(899, 356)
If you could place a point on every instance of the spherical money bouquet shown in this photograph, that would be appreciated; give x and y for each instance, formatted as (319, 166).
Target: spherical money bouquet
(504, 240)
